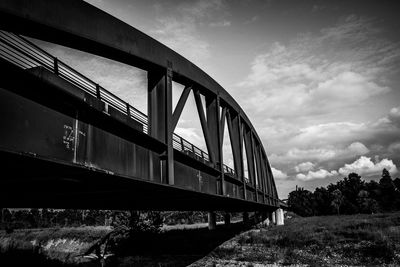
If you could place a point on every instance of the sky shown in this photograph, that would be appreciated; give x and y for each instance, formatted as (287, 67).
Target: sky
(318, 79)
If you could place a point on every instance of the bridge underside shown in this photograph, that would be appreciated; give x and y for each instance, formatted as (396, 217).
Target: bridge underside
(38, 182)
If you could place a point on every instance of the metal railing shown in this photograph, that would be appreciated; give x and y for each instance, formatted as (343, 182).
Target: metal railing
(229, 170)
(26, 55)
(181, 144)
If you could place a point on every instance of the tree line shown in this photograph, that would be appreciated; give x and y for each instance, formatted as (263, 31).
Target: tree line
(351, 195)
(141, 220)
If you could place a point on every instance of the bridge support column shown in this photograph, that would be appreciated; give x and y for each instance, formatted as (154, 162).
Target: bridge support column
(212, 220)
(273, 217)
(160, 121)
(279, 217)
(227, 219)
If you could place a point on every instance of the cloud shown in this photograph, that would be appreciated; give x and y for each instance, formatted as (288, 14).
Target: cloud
(252, 19)
(362, 166)
(304, 166)
(317, 8)
(180, 34)
(178, 27)
(394, 116)
(320, 174)
(394, 147)
(335, 69)
(395, 112)
(223, 23)
(278, 174)
(365, 166)
(192, 135)
(320, 154)
(200, 9)
(345, 86)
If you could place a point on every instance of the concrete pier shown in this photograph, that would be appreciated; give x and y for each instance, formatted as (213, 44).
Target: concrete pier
(212, 220)
(279, 217)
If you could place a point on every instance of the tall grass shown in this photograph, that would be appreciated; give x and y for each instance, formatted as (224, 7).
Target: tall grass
(321, 241)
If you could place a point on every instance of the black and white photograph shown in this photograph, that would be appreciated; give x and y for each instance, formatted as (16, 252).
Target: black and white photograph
(200, 133)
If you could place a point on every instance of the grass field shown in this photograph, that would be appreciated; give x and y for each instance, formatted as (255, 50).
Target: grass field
(357, 240)
(47, 246)
(173, 247)
(366, 240)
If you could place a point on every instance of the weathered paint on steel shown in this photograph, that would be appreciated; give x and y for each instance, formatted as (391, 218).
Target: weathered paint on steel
(26, 128)
(232, 190)
(193, 179)
(35, 129)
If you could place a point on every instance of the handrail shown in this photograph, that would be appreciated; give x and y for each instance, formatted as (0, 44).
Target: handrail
(26, 55)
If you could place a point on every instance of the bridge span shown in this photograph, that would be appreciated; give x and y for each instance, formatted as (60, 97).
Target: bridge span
(67, 142)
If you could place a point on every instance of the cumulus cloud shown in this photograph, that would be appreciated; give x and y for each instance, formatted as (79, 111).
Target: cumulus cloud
(320, 174)
(365, 166)
(362, 166)
(321, 154)
(278, 174)
(304, 166)
(333, 146)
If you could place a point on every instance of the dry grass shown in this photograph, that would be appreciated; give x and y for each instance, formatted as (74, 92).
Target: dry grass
(318, 241)
(84, 234)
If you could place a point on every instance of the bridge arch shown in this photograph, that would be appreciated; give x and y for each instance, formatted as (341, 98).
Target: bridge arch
(66, 23)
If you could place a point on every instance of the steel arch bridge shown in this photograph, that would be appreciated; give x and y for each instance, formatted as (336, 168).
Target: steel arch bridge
(65, 141)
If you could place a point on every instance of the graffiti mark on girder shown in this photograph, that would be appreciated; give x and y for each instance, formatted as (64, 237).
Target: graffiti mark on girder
(69, 137)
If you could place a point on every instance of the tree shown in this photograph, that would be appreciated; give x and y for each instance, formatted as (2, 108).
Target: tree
(349, 187)
(396, 183)
(348, 196)
(337, 200)
(322, 201)
(374, 190)
(388, 191)
(301, 202)
(365, 203)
